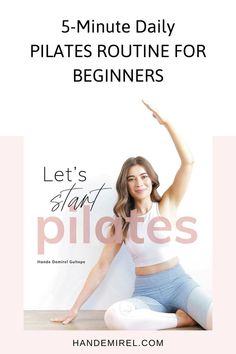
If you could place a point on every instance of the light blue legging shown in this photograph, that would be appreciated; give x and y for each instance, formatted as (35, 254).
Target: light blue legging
(155, 300)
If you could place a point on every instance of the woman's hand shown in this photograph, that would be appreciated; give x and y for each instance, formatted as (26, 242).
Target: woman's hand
(70, 316)
(155, 114)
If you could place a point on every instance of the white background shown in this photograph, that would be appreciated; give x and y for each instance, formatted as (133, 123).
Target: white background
(97, 126)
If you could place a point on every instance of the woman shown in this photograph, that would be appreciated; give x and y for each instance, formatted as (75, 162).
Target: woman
(164, 296)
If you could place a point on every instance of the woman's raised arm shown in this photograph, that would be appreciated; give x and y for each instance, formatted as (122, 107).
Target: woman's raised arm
(176, 191)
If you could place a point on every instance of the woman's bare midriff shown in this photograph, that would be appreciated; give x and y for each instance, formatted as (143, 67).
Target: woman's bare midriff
(155, 268)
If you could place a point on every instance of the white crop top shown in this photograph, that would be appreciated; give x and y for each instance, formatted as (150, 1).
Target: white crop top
(150, 252)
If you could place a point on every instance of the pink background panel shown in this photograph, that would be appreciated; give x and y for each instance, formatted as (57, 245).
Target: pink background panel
(13, 337)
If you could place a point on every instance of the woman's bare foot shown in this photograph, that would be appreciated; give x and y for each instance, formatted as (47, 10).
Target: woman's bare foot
(184, 320)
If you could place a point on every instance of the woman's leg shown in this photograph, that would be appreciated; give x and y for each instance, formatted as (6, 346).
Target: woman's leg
(184, 296)
(209, 317)
(199, 307)
(139, 313)
(146, 314)
(176, 292)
